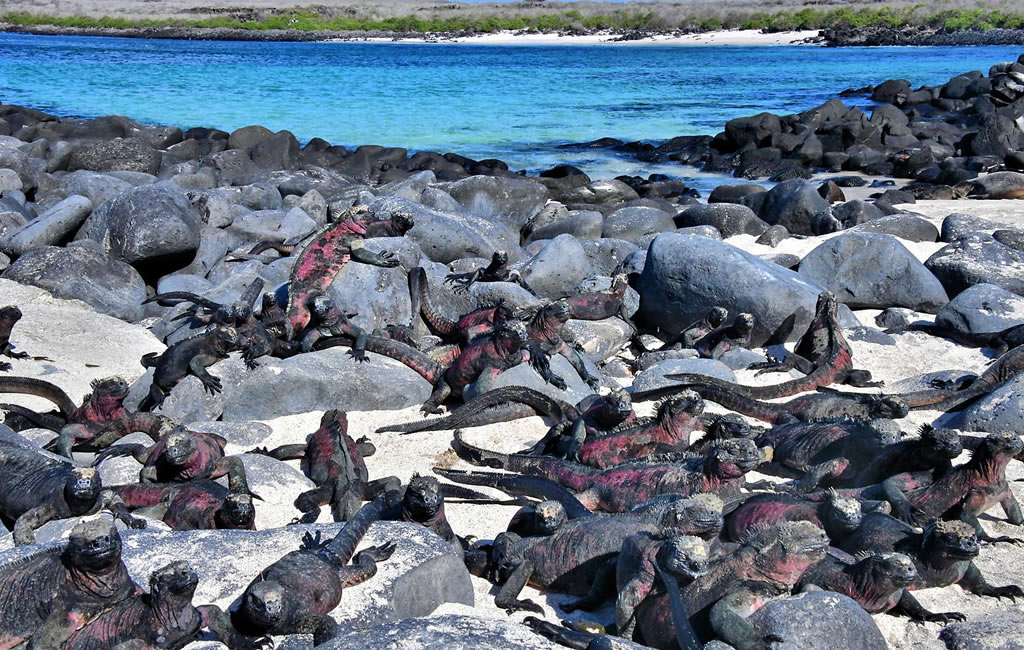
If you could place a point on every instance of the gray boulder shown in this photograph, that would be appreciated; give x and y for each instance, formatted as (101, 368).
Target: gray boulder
(905, 226)
(999, 185)
(855, 213)
(188, 400)
(605, 255)
(977, 258)
(49, 228)
(1000, 410)
(633, 223)
(447, 632)
(525, 375)
(819, 619)
(321, 380)
(511, 201)
(92, 185)
(557, 269)
(958, 225)
(278, 151)
(278, 484)
(609, 192)
(685, 276)
(378, 296)
(997, 632)
(982, 308)
(793, 204)
(146, 223)
(119, 154)
(653, 376)
(233, 167)
(873, 271)
(729, 218)
(109, 286)
(600, 338)
(582, 224)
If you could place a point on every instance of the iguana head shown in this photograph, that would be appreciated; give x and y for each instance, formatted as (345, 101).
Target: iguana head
(743, 324)
(733, 458)
(884, 569)
(180, 447)
(322, 306)
(334, 417)
(401, 223)
(827, 305)
(697, 515)
(785, 550)
(550, 515)
(513, 331)
(263, 604)
(1000, 445)
(504, 558)
(499, 258)
(558, 310)
(423, 497)
(730, 426)
(944, 443)
(953, 540)
(618, 404)
(843, 515)
(685, 557)
(717, 316)
(619, 281)
(237, 511)
(687, 403)
(174, 579)
(83, 486)
(108, 394)
(888, 406)
(227, 338)
(94, 545)
(10, 314)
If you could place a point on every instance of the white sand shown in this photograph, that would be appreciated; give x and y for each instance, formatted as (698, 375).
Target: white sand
(736, 37)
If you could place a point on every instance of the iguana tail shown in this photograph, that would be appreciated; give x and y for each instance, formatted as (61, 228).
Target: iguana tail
(344, 544)
(527, 486)
(566, 473)
(764, 411)
(431, 314)
(41, 420)
(499, 405)
(410, 356)
(183, 295)
(39, 388)
(478, 455)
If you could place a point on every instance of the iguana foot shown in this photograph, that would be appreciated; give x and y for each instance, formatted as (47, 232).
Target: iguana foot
(380, 553)
(525, 605)
(358, 355)
(4, 366)
(1009, 591)
(211, 384)
(1002, 539)
(942, 617)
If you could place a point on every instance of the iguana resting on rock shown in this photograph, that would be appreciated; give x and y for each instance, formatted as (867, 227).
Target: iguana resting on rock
(1003, 369)
(163, 619)
(191, 356)
(322, 258)
(1002, 341)
(619, 488)
(822, 352)
(943, 555)
(9, 317)
(422, 502)
(196, 505)
(50, 594)
(767, 565)
(233, 315)
(331, 321)
(296, 594)
(334, 462)
(875, 580)
(183, 455)
(723, 338)
(546, 332)
(36, 488)
(837, 515)
(694, 332)
(824, 404)
(933, 449)
(826, 451)
(466, 327)
(496, 271)
(598, 305)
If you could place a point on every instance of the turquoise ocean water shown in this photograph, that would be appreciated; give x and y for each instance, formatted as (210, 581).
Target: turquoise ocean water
(515, 103)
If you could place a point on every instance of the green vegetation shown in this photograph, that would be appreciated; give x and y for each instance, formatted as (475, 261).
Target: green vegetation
(572, 20)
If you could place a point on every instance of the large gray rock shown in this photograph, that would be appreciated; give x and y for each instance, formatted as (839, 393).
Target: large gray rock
(444, 237)
(999, 185)
(873, 271)
(600, 338)
(685, 276)
(525, 375)
(277, 483)
(49, 228)
(109, 286)
(558, 268)
(729, 218)
(119, 154)
(654, 376)
(997, 632)
(905, 226)
(793, 204)
(958, 225)
(145, 224)
(607, 254)
(321, 380)
(632, 223)
(378, 296)
(582, 224)
(511, 201)
(820, 619)
(92, 185)
(610, 192)
(447, 632)
(982, 308)
(1000, 410)
(977, 258)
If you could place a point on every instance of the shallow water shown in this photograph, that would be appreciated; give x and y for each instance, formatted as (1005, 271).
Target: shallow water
(509, 102)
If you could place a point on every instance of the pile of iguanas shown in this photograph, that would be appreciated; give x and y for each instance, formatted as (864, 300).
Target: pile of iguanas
(653, 514)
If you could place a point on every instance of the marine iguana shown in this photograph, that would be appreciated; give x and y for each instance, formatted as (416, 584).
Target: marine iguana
(933, 449)
(331, 321)
(826, 451)
(163, 619)
(875, 580)
(466, 327)
(296, 594)
(812, 406)
(422, 502)
(545, 332)
(1003, 369)
(767, 565)
(568, 559)
(723, 338)
(9, 317)
(598, 305)
(233, 315)
(190, 356)
(1001, 342)
(36, 488)
(50, 594)
(196, 505)
(497, 270)
(721, 470)
(322, 258)
(837, 515)
(693, 332)
(334, 462)
(183, 455)
(822, 352)
(943, 555)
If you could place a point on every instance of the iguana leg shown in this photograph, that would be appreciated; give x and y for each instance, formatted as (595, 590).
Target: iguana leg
(321, 626)
(364, 565)
(384, 485)
(507, 598)
(685, 636)
(577, 437)
(310, 502)
(310, 338)
(198, 365)
(576, 361)
(969, 518)
(860, 379)
(154, 399)
(27, 523)
(441, 392)
(234, 469)
(600, 588)
(630, 596)
(383, 258)
(69, 436)
(1012, 509)
(218, 622)
(791, 361)
(729, 620)
(284, 452)
(902, 508)
(540, 362)
(909, 606)
(110, 501)
(813, 477)
(975, 583)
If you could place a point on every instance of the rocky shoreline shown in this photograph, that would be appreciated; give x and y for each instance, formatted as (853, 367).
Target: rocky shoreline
(99, 216)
